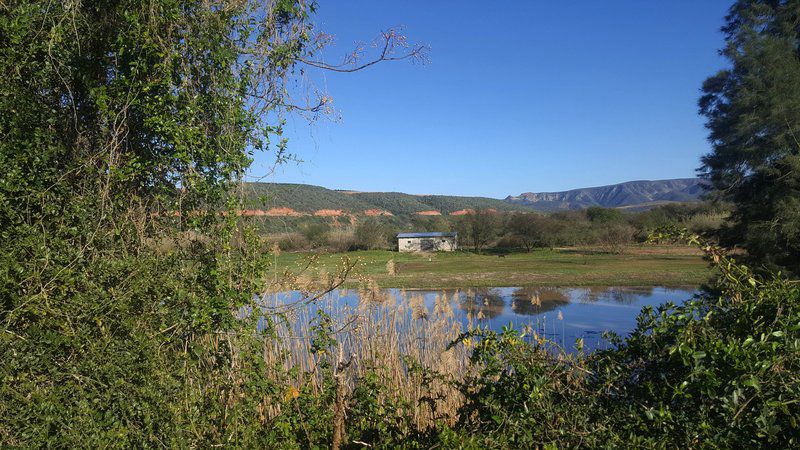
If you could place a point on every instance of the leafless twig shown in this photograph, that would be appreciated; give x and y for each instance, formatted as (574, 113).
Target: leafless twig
(390, 42)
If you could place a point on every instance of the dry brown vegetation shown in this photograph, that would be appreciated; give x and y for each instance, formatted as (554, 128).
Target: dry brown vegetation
(380, 337)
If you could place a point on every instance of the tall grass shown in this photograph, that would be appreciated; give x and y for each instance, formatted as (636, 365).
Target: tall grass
(382, 336)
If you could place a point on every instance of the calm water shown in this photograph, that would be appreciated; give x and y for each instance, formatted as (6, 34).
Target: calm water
(561, 314)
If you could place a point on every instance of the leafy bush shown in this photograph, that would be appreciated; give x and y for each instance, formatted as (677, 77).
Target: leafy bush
(316, 233)
(613, 236)
(603, 215)
(719, 371)
(478, 228)
(370, 234)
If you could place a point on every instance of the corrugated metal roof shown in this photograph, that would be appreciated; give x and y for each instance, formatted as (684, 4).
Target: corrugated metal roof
(426, 235)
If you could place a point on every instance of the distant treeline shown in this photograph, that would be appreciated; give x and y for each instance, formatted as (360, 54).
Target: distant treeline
(490, 230)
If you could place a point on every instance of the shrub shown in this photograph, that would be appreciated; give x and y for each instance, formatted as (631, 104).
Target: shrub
(603, 215)
(290, 241)
(613, 236)
(316, 233)
(371, 234)
(342, 239)
(478, 228)
(721, 370)
(529, 230)
(704, 223)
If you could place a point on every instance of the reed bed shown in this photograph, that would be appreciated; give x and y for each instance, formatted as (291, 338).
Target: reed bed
(383, 334)
(388, 335)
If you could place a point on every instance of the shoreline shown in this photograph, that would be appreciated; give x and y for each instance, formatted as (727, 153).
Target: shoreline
(639, 265)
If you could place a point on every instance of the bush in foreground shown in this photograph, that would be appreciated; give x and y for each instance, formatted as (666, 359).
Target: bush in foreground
(719, 371)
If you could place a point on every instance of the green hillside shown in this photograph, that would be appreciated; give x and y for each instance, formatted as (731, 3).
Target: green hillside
(399, 203)
(396, 202)
(308, 198)
(449, 203)
(300, 197)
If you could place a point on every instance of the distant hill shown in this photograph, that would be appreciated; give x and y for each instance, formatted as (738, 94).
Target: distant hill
(630, 195)
(287, 199)
(400, 203)
(316, 200)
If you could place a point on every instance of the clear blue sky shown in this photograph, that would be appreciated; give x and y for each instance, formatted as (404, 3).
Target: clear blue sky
(518, 96)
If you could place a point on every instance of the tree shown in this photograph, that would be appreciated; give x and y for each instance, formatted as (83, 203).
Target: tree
(125, 124)
(752, 111)
(316, 233)
(371, 234)
(430, 223)
(612, 236)
(600, 215)
(479, 227)
(529, 229)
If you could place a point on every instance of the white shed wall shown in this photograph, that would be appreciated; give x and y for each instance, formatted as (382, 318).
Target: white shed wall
(427, 244)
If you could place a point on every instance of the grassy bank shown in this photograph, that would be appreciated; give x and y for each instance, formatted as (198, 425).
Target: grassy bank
(634, 266)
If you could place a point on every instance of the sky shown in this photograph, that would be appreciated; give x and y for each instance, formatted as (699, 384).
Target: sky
(518, 96)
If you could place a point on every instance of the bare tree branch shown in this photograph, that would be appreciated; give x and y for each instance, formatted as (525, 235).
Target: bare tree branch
(390, 41)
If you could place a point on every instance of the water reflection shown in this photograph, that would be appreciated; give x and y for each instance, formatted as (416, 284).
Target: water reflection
(626, 295)
(530, 301)
(482, 303)
(562, 314)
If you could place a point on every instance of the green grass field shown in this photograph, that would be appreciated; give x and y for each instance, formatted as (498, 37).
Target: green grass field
(635, 266)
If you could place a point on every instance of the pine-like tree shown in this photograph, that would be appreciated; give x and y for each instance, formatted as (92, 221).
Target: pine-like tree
(753, 114)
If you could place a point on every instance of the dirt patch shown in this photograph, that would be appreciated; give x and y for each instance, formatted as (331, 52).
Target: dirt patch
(428, 213)
(377, 212)
(284, 212)
(328, 212)
(462, 212)
(272, 212)
(252, 212)
(345, 219)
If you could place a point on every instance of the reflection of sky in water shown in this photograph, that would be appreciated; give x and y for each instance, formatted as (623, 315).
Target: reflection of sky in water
(586, 311)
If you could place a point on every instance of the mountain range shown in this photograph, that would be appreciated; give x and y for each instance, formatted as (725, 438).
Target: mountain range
(286, 199)
(630, 195)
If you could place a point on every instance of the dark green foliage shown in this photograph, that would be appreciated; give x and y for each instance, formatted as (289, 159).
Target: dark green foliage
(603, 215)
(753, 114)
(126, 275)
(123, 127)
(522, 397)
(449, 203)
(307, 198)
(301, 197)
(529, 230)
(374, 420)
(316, 233)
(371, 234)
(718, 371)
(478, 229)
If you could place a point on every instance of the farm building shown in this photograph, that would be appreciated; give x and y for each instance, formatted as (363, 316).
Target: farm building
(427, 242)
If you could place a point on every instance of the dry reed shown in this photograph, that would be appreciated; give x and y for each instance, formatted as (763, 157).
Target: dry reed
(377, 335)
